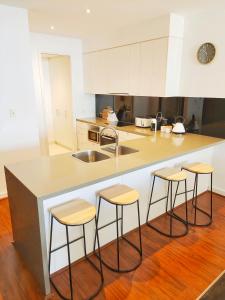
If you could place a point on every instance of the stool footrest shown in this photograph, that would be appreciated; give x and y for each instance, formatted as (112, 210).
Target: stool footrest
(110, 223)
(156, 201)
(182, 193)
(205, 213)
(123, 270)
(170, 234)
(64, 245)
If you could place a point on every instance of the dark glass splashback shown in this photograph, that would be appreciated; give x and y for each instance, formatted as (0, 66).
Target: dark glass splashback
(202, 115)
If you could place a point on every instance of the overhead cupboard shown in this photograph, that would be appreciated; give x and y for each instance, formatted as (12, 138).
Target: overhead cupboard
(145, 68)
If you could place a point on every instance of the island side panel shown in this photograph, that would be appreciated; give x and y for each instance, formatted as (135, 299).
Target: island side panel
(25, 228)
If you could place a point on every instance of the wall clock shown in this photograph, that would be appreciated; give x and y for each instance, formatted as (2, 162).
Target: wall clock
(206, 53)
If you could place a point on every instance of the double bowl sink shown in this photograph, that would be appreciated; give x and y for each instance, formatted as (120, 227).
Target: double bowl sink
(90, 156)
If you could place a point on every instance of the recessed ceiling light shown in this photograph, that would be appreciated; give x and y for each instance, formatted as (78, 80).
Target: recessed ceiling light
(88, 11)
(52, 27)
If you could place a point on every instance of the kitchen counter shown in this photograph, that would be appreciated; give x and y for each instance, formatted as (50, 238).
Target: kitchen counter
(37, 185)
(50, 176)
(129, 128)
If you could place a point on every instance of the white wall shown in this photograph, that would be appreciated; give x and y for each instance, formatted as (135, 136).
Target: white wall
(203, 80)
(47, 99)
(18, 119)
(83, 104)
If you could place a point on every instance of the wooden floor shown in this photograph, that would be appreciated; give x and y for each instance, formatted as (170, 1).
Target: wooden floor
(171, 268)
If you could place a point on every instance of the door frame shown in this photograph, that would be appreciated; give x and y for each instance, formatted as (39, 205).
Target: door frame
(43, 129)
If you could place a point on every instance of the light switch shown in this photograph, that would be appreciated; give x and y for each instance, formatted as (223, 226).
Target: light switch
(12, 114)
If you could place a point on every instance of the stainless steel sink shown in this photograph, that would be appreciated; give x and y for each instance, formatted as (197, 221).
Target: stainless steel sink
(123, 150)
(90, 156)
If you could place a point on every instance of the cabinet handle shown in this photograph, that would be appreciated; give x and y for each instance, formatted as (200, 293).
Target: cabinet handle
(119, 94)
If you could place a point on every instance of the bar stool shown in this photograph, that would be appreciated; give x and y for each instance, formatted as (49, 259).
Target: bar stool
(77, 212)
(120, 195)
(199, 168)
(171, 175)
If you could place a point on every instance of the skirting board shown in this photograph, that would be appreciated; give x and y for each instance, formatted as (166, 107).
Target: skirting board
(219, 191)
(3, 195)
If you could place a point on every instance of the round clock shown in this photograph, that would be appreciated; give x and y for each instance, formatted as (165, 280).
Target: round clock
(206, 53)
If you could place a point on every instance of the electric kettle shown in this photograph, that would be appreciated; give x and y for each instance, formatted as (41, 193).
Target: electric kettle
(178, 127)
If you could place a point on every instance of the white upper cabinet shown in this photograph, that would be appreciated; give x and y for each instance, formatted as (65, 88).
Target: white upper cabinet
(95, 70)
(109, 71)
(150, 68)
(153, 67)
(118, 69)
(143, 68)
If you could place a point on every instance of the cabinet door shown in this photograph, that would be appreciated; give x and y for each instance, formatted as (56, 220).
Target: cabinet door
(112, 70)
(95, 73)
(118, 69)
(153, 67)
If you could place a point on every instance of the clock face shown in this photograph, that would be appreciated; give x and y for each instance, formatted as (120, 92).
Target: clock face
(206, 53)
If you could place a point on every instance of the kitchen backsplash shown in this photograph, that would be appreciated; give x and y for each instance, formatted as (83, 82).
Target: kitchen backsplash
(202, 115)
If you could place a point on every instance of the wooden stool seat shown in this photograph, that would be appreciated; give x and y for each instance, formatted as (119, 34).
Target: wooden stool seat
(75, 212)
(199, 168)
(171, 174)
(119, 194)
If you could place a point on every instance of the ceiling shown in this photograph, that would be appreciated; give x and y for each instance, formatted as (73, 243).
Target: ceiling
(69, 17)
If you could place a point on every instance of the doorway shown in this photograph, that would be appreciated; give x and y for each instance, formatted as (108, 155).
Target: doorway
(57, 103)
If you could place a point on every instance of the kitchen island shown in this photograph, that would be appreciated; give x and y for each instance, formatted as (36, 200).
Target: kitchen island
(36, 186)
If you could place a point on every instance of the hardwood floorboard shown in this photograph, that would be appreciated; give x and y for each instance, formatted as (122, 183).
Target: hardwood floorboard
(171, 269)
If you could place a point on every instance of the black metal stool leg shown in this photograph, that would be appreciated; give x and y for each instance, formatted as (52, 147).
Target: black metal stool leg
(150, 201)
(97, 219)
(167, 198)
(99, 252)
(211, 200)
(84, 239)
(171, 207)
(196, 200)
(193, 198)
(139, 227)
(186, 201)
(186, 207)
(121, 229)
(176, 194)
(69, 261)
(117, 239)
(50, 246)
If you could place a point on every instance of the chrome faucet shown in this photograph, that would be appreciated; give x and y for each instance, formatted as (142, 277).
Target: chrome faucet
(110, 138)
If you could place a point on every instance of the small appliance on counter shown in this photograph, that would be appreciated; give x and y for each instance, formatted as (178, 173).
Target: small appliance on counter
(93, 134)
(178, 127)
(105, 112)
(112, 118)
(143, 122)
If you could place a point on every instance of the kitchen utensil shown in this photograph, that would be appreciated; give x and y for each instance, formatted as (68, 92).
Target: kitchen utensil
(178, 127)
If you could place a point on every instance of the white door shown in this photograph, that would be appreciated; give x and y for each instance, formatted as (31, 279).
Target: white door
(61, 93)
